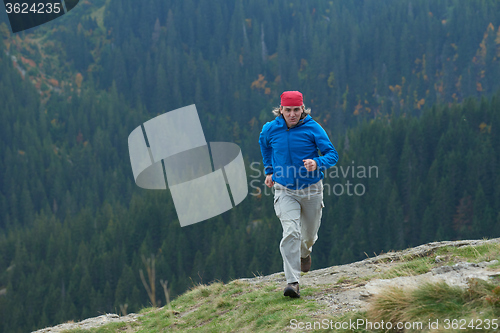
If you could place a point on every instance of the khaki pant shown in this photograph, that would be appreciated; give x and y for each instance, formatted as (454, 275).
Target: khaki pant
(300, 214)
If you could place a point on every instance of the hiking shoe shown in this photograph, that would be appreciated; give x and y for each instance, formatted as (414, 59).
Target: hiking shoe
(305, 264)
(292, 290)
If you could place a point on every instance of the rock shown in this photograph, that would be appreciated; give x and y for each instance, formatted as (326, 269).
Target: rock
(90, 323)
(441, 270)
(464, 265)
(440, 259)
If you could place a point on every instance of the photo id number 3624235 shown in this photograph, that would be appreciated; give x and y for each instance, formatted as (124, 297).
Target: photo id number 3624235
(35, 8)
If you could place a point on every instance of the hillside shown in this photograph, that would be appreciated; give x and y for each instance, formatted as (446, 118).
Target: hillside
(362, 290)
(406, 87)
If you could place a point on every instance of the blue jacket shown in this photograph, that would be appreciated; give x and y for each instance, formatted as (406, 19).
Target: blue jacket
(283, 150)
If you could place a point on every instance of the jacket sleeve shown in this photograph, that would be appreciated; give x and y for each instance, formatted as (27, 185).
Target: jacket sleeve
(325, 146)
(266, 149)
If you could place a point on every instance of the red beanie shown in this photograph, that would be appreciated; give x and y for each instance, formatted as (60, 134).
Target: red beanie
(291, 98)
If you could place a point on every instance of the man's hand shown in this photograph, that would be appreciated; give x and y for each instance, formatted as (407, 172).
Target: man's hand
(269, 180)
(310, 164)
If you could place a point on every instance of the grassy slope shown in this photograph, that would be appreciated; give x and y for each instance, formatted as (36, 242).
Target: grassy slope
(239, 306)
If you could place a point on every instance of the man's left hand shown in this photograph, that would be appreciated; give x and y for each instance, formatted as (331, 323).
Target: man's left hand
(310, 164)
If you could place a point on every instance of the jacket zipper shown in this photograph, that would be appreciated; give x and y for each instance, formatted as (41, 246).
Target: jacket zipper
(288, 144)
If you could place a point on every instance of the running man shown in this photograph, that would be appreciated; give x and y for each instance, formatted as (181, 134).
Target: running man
(289, 146)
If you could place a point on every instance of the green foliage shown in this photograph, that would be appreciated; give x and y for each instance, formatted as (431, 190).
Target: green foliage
(73, 225)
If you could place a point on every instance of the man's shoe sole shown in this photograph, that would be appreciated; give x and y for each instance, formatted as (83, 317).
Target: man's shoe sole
(291, 292)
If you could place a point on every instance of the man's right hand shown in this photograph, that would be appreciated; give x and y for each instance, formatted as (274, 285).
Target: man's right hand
(269, 180)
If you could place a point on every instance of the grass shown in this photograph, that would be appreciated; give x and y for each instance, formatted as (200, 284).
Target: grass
(98, 15)
(484, 252)
(449, 255)
(240, 306)
(415, 266)
(469, 308)
(234, 307)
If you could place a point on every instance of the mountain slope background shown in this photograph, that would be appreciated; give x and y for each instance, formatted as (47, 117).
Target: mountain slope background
(405, 87)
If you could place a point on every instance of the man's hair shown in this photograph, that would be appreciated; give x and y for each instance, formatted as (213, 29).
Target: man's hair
(276, 112)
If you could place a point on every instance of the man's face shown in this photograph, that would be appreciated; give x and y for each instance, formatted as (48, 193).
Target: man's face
(291, 114)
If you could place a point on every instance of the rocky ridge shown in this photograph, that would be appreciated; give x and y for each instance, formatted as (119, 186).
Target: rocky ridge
(354, 283)
(349, 287)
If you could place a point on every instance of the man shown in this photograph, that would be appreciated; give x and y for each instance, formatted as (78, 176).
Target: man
(289, 146)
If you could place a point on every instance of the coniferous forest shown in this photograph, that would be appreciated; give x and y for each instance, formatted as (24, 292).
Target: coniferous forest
(408, 91)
